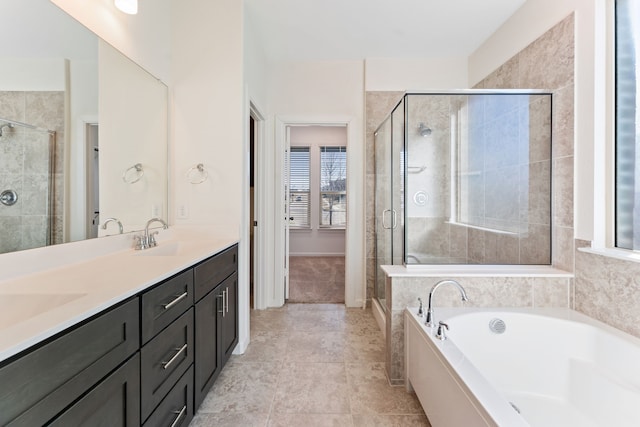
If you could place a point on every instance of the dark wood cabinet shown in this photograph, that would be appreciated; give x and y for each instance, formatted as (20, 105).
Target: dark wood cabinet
(216, 325)
(228, 325)
(37, 385)
(208, 360)
(176, 410)
(114, 402)
(165, 303)
(149, 360)
(211, 272)
(164, 359)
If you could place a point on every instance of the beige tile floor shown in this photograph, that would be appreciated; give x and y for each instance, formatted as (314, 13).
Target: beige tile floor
(309, 365)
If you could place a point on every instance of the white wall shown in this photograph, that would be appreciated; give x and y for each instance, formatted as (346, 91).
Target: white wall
(208, 111)
(529, 22)
(386, 74)
(255, 67)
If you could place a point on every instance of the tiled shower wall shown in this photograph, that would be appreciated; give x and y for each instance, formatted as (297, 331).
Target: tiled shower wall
(504, 179)
(23, 166)
(547, 63)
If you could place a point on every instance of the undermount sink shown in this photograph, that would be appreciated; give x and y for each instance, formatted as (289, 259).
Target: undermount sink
(16, 308)
(169, 249)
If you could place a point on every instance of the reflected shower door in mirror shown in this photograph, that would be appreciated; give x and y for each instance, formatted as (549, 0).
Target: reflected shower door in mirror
(107, 114)
(478, 178)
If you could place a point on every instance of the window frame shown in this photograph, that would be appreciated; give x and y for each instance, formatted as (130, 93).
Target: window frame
(322, 149)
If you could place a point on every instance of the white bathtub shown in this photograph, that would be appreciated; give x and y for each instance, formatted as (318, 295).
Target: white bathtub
(557, 366)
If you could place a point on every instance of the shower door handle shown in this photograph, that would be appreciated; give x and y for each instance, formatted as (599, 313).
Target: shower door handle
(393, 219)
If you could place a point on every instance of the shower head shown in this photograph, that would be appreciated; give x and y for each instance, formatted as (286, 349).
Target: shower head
(5, 126)
(424, 130)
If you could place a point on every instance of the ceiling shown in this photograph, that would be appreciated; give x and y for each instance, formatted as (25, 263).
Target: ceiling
(358, 29)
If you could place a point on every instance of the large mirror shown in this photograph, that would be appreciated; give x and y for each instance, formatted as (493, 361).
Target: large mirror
(83, 133)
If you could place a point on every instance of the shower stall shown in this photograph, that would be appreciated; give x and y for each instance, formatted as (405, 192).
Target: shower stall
(27, 160)
(463, 177)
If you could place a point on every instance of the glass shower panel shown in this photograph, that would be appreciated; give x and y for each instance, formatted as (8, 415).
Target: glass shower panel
(428, 138)
(478, 178)
(398, 160)
(382, 144)
(26, 187)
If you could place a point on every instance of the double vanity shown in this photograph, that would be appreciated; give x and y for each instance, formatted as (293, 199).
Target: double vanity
(123, 338)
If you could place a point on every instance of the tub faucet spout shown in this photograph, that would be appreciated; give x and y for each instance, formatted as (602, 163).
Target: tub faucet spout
(430, 320)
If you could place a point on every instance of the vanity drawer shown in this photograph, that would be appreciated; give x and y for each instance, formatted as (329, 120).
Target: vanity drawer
(163, 361)
(165, 303)
(209, 273)
(35, 387)
(176, 410)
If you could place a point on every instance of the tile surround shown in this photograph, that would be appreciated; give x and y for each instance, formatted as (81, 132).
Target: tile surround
(22, 163)
(401, 292)
(608, 289)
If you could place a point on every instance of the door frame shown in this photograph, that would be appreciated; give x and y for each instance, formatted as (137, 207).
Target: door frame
(355, 283)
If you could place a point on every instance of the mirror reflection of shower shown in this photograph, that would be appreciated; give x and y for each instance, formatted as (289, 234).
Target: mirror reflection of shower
(27, 159)
(424, 130)
(5, 127)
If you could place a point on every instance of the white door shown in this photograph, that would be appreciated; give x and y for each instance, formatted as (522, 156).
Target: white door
(287, 219)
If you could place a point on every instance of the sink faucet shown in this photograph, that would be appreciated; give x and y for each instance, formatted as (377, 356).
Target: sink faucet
(148, 240)
(108, 220)
(430, 321)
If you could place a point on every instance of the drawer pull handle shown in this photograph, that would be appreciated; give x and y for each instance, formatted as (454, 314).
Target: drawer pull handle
(179, 416)
(220, 297)
(177, 299)
(165, 365)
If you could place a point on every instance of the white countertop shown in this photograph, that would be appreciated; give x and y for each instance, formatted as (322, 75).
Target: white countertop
(70, 283)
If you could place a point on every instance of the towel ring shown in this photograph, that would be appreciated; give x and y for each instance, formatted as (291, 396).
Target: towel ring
(195, 171)
(132, 178)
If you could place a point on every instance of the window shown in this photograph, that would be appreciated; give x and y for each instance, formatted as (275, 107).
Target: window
(299, 172)
(627, 117)
(333, 187)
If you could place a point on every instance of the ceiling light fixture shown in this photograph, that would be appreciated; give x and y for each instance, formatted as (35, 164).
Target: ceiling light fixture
(127, 6)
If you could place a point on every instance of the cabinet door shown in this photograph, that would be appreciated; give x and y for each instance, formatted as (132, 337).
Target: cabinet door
(208, 363)
(115, 402)
(229, 320)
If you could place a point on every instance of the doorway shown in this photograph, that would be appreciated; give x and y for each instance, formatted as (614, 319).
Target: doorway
(92, 178)
(317, 213)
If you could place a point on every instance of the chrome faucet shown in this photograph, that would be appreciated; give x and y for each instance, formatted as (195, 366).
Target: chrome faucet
(149, 240)
(108, 220)
(430, 321)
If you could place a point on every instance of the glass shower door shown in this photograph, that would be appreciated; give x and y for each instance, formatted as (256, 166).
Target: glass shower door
(382, 143)
(389, 203)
